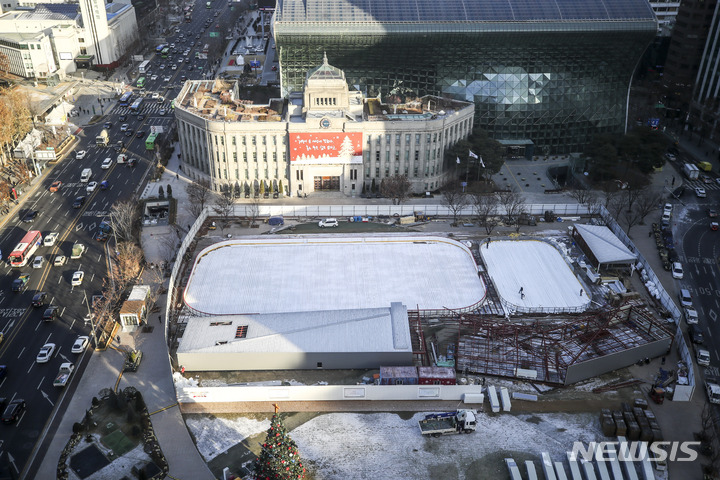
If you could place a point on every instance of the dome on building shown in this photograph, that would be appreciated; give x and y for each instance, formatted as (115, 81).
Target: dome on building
(325, 72)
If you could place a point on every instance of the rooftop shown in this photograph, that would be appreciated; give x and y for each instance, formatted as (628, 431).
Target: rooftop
(226, 100)
(425, 108)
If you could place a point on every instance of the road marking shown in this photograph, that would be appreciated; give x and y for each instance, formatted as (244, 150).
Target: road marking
(37, 326)
(712, 315)
(47, 397)
(65, 358)
(21, 352)
(78, 227)
(40, 384)
(31, 365)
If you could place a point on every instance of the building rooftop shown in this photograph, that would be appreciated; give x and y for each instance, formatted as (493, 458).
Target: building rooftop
(227, 100)
(464, 11)
(424, 108)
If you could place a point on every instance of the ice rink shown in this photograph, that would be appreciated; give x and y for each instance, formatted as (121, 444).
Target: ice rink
(333, 273)
(548, 284)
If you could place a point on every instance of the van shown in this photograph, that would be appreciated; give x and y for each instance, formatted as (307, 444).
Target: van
(86, 175)
(685, 298)
(328, 222)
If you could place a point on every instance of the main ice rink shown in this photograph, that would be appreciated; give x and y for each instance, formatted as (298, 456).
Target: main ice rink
(316, 273)
(548, 284)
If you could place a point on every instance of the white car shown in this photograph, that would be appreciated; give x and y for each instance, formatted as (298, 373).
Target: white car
(154, 77)
(700, 192)
(50, 239)
(668, 208)
(124, 127)
(162, 111)
(60, 260)
(670, 156)
(38, 262)
(173, 67)
(91, 187)
(107, 163)
(80, 343)
(45, 353)
(77, 279)
(167, 79)
(80, 155)
(155, 95)
(677, 270)
(691, 315)
(328, 222)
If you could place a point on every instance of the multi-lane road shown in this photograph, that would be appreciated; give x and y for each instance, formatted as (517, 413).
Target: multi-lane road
(24, 330)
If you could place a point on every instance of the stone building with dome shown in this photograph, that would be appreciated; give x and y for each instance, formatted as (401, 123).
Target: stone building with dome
(326, 137)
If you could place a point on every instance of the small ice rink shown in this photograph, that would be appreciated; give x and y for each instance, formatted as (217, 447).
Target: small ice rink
(548, 284)
(316, 273)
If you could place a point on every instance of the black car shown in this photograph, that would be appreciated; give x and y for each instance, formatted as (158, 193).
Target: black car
(107, 125)
(139, 133)
(696, 336)
(79, 202)
(38, 299)
(129, 132)
(183, 78)
(121, 118)
(51, 313)
(13, 411)
(141, 117)
(30, 216)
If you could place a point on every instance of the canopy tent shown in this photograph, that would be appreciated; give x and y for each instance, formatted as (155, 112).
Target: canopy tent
(602, 247)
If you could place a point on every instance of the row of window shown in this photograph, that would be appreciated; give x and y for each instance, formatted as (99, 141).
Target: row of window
(253, 140)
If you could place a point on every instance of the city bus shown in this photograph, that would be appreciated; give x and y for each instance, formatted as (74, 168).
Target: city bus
(140, 82)
(151, 141)
(135, 107)
(165, 52)
(24, 250)
(144, 66)
(125, 99)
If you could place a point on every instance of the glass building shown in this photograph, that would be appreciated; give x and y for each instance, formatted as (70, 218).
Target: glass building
(545, 73)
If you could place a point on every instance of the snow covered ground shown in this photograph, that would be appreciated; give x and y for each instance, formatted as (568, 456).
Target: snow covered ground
(333, 273)
(546, 280)
(387, 446)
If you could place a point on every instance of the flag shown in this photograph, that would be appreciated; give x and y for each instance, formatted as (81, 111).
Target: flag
(482, 163)
(473, 155)
(458, 159)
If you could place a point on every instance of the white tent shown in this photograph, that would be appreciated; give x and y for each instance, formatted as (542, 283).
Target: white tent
(601, 246)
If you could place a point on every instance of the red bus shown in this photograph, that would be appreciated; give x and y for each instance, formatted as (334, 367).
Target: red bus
(25, 249)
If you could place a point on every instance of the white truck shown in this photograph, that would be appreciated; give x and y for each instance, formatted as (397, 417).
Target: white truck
(66, 371)
(691, 171)
(77, 251)
(713, 392)
(449, 423)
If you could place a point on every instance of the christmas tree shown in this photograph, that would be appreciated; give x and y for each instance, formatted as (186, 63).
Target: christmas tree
(279, 458)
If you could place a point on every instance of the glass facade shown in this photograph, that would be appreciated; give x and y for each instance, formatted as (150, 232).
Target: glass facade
(556, 83)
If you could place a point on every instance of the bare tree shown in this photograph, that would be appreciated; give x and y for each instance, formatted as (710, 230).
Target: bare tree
(123, 218)
(486, 209)
(154, 279)
(199, 195)
(582, 196)
(223, 205)
(648, 201)
(632, 217)
(254, 209)
(4, 63)
(129, 264)
(455, 199)
(512, 203)
(168, 246)
(396, 187)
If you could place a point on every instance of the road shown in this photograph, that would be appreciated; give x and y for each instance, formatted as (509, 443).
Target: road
(24, 330)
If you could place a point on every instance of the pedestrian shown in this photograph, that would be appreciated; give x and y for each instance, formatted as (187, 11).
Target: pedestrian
(118, 338)
(581, 292)
(521, 291)
(673, 181)
(177, 176)
(160, 319)
(649, 233)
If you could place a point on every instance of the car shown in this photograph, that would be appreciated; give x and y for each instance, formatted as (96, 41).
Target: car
(21, 283)
(139, 133)
(124, 127)
(155, 95)
(50, 239)
(141, 117)
(162, 111)
(670, 156)
(55, 186)
(677, 270)
(130, 133)
(38, 299)
(132, 162)
(59, 261)
(39, 262)
(700, 192)
(51, 313)
(667, 208)
(80, 155)
(706, 179)
(30, 216)
(665, 219)
(45, 353)
(79, 202)
(13, 411)
(172, 45)
(685, 298)
(167, 79)
(122, 118)
(190, 68)
(77, 278)
(154, 77)
(183, 78)
(80, 344)
(173, 67)
(104, 185)
(186, 53)
(711, 212)
(91, 187)
(107, 125)
(696, 335)
(107, 163)
(714, 226)
(274, 68)
(691, 315)
(328, 222)
(162, 66)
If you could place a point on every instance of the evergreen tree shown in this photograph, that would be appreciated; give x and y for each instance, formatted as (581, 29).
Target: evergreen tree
(279, 458)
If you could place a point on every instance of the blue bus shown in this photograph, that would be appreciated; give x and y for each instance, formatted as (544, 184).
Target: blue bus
(125, 99)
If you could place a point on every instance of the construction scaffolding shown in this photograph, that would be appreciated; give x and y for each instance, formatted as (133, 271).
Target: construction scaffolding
(560, 350)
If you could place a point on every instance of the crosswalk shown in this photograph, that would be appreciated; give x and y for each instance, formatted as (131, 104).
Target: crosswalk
(699, 183)
(149, 108)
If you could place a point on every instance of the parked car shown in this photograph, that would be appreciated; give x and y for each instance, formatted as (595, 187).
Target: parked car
(691, 315)
(696, 335)
(328, 222)
(677, 270)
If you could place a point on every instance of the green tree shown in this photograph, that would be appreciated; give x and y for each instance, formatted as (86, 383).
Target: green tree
(279, 458)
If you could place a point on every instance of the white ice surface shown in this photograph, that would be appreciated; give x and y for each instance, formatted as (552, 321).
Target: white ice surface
(321, 273)
(539, 269)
